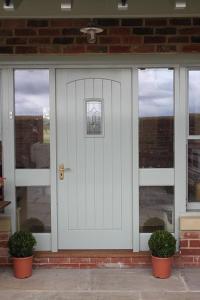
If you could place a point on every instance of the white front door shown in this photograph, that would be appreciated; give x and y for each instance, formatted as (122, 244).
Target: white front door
(94, 139)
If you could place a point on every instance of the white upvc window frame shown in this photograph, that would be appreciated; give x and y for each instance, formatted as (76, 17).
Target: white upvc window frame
(28, 177)
(49, 242)
(159, 176)
(191, 206)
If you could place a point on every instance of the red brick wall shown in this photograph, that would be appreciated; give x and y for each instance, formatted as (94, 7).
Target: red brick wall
(190, 247)
(62, 36)
(4, 236)
(189, 256)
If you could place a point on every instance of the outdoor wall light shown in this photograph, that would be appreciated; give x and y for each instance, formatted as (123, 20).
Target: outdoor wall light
(8, 5)
(122, 4)
(91, 32)
(66, 5)
(180, 4)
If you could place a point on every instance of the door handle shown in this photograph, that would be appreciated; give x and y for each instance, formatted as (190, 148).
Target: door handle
(62, 170)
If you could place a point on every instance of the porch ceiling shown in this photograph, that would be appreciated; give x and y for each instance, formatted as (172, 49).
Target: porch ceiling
(98, 8)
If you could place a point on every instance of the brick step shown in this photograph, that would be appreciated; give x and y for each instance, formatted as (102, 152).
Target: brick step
(92, 259)
(100, 259)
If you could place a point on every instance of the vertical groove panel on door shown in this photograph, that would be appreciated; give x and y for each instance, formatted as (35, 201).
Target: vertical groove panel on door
(95, 197)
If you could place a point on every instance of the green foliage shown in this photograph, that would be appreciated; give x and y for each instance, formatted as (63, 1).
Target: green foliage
(21, 244)
(162, 244)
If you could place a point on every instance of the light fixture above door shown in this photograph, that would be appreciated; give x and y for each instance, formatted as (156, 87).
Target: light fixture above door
(66, 5)
(122, 4)
(8, 5)
(91, 31)
(180, 4)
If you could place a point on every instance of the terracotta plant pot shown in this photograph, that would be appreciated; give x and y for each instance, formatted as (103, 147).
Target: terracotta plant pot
(22, 266)
(161, 267)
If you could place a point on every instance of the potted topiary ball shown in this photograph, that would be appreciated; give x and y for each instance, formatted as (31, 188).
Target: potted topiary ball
(20, 246)
(162, 245)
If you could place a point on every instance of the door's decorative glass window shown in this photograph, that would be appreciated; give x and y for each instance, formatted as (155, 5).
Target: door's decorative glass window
(94, 117)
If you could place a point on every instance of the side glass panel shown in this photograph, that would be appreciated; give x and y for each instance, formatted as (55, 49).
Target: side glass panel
(194, 103)
(32, 123)
(94, 124)
(33, 209)
(156, 118)
(156, 208)
(193, 171)
(1, 187)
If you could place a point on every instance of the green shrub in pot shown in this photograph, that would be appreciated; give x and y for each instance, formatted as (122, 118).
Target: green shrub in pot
(21, 245)
(162, 245)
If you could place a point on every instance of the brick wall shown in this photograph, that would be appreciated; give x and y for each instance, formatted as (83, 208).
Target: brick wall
(62, 36)
(190, 247)
(4, 236)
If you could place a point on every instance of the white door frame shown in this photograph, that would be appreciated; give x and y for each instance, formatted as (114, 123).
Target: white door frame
(50, 240)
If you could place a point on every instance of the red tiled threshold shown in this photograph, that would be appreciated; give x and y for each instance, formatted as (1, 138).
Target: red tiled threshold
(92, 259)
(105, 259)
(100, 259)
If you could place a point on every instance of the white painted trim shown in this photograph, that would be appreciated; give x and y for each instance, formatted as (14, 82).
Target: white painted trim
(43, 241)
(144, 237)
(32, 177)
(180, 122)
(194, 137)
(9, 144)
(193, 206)
(53, 160)
(135, 151)
(1, 106)
(180, 146)
(102, 60)
(156, 177)
(190, 205)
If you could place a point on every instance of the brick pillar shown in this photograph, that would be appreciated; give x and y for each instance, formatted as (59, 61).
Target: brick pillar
(190, 240)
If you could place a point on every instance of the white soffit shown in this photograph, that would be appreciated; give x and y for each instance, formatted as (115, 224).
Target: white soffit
(99, 8)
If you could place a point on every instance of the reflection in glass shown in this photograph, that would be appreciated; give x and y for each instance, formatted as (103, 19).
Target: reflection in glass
(1, 188)
(194, 171)
(194, 103)
(94, 117)
(156, 208)
(156, 118)
(32, 122)
(33, 209)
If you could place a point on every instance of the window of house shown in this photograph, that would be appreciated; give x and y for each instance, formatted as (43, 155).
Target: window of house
(32, 150)
(33, 209)
(32, 122)
(194, 136)
(156, 118)
(156, 208)
(156, 149)
(1, 171)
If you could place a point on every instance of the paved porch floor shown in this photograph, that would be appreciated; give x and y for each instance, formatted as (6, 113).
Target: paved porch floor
(100, 284)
